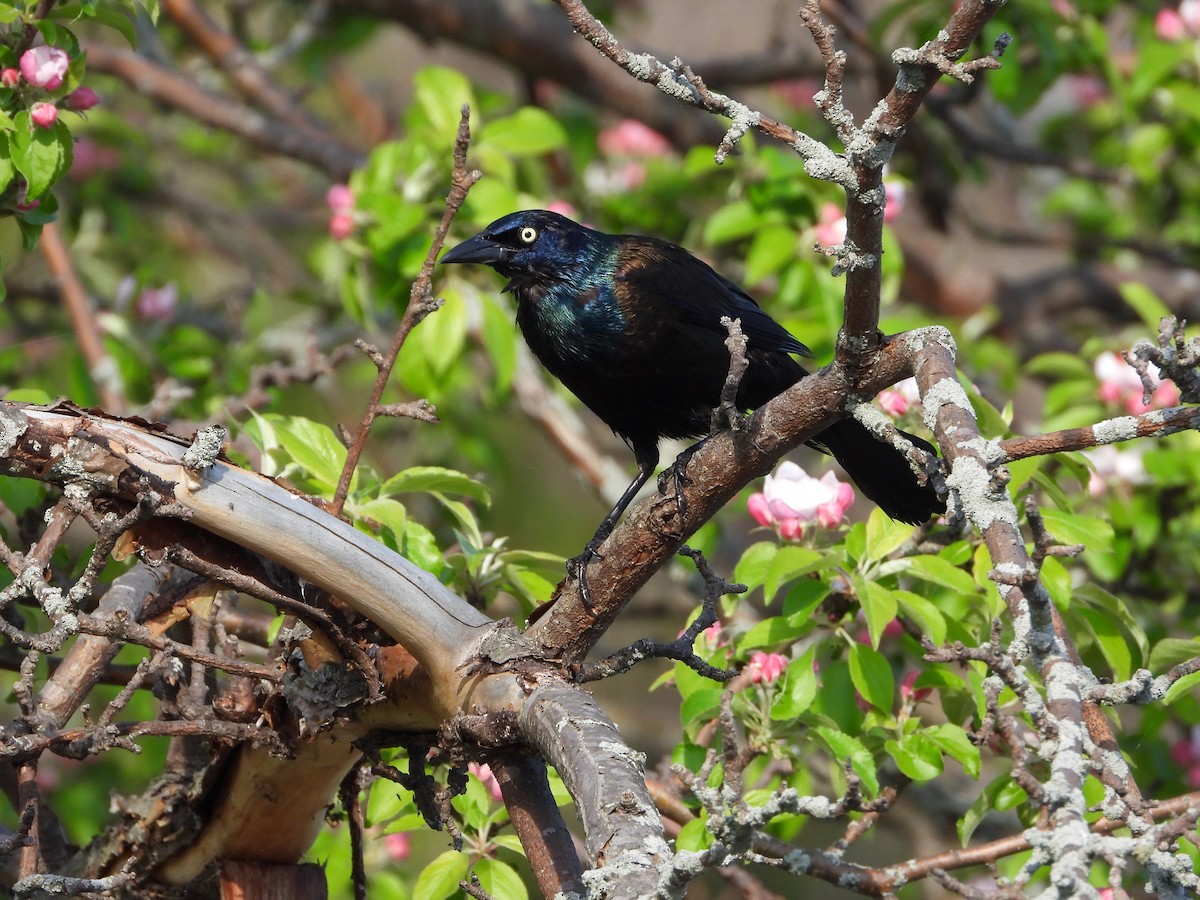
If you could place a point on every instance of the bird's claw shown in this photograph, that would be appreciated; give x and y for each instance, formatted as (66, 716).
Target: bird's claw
(577, 567)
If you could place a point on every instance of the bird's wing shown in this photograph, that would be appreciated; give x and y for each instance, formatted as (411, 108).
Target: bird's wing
(661, 270)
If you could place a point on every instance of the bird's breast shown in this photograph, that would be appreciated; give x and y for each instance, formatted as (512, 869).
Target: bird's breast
(578, 325)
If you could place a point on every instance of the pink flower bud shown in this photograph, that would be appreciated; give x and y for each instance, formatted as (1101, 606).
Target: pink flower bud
(484, 773)
(9, 77)
(563, 208)
(339, 198)
(760, 509)
(831, 226)
(895, 192)
(892, 402)
(80, 99)
(341, 226)
(157, 303)
(907, 692)
(632, 138)
(397, 845)
(791, 529)
(45, 67)
(1168, 25)
(764, 668)
(43, 114)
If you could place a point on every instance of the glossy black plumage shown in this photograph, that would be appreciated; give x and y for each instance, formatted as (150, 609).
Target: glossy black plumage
(632, 326)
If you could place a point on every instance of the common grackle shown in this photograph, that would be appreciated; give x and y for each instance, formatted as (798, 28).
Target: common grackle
(632, 326)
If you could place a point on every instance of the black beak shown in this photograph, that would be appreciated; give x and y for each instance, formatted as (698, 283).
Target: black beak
(477, 249)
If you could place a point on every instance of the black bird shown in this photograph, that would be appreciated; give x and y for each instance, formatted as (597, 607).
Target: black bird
(632, 326)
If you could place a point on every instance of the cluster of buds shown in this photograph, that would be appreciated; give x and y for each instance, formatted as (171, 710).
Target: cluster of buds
(1121, 385)
(792, 499)
(46, 68)
(340, 200)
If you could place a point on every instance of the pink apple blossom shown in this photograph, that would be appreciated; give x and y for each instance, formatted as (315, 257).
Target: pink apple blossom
(484, 773)
(563, 208)
(1168, 25)
(1120, 384)
(341, 226)
(9, 77)
(764, 668)
(629, 137)
(895, 191)
(1186, 754)
(43, 114)
(398, 845)
(1115, 467)
(831, 226)
(1065, 8)
(1085, 90)
(339, 198)
(45, 67)
(157, 303)
(91, 158)
(798, 92)
(80, 99)
(1189, 11)
(791, 498)
(899, 398)
(908, 692)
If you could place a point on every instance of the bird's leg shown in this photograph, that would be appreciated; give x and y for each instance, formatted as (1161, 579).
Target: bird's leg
(577, 565)
(678, 472)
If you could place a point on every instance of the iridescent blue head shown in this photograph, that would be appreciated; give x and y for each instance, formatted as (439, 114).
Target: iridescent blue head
(533, 245)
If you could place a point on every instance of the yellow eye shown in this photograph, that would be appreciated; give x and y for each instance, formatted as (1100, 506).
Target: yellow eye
(528, 235)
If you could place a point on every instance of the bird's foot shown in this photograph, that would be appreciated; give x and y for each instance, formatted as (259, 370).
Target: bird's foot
(577, 566)
(679, 477)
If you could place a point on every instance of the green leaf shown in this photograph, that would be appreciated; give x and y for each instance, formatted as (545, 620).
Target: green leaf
(872, 676)
(116, 19)
(1182, 688)
(440, 93)
(699, 709)
(751, 570)
(939, 571)
(40, 154)
(527, 132)
(1111, 641)
(1000, 794)
(389, 514)
(1094, 533)
(429, 479)
(771, 632)
(420, 547)
(791, 562)
(500, 338)
(312, 446)
(694, 836)
(926, 616)
(884, 535)
(1057, 579)
(440, 878)
(500, 879)
(799, 687)
(773, 247)
(847, 747)
(1171, 652)
(731, 222)
(954, 743)
(879, 606)
(1144, 302)
(916, 756)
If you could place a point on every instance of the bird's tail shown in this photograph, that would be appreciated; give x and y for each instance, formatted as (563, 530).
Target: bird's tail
(881, 472)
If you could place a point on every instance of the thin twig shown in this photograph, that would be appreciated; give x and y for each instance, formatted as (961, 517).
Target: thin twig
(420, 304)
